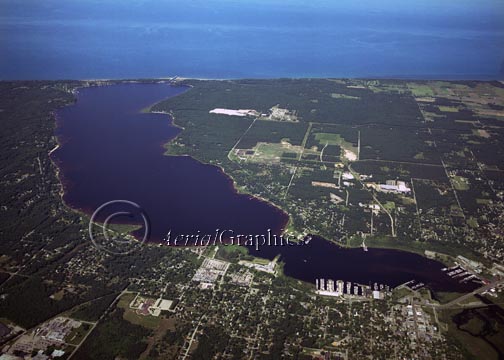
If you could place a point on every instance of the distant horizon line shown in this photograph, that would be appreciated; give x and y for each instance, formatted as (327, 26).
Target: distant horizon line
(432, 77)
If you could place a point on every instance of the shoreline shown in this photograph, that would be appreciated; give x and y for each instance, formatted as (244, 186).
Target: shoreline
(405, 77)
(288, 227)
(234, 185)
(414, 246)
(147, 110)
(61, 191)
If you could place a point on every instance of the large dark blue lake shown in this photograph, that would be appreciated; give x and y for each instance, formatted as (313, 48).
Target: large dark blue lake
(110, 150)
(55, 39)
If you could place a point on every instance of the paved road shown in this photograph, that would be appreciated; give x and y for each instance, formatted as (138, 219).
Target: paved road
(469, 295)
(109, 308)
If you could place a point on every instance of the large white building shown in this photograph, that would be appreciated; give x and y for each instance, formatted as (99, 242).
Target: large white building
(395, 187)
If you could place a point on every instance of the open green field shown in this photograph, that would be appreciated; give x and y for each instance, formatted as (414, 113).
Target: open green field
(460, 183)
(446, 297)
(420, 90)
(266, 152)
(147, 321)
(77, 335)
(332, 140)
(448, 109)
(343, 96)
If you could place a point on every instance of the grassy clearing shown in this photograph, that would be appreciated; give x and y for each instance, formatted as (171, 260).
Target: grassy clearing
(451, 109)
(76, 335)
(343, 96)
(273, 152)
(483, 201)
(420, 90)
(335, 139)
(460, 183)
(122, 230)
(399, 293)
(472, 222)
(261, 261)
(328, 138)
(234, 248)
(446, 297)
(231, 253)
(148, 321)
(125, 300)
(472, 122)
(389, 205)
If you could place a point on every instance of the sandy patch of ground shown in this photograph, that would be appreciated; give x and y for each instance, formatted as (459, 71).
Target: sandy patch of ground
(231, 112)
(349, 155)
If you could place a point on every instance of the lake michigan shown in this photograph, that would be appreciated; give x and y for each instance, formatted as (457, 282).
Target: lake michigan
(58, 39)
